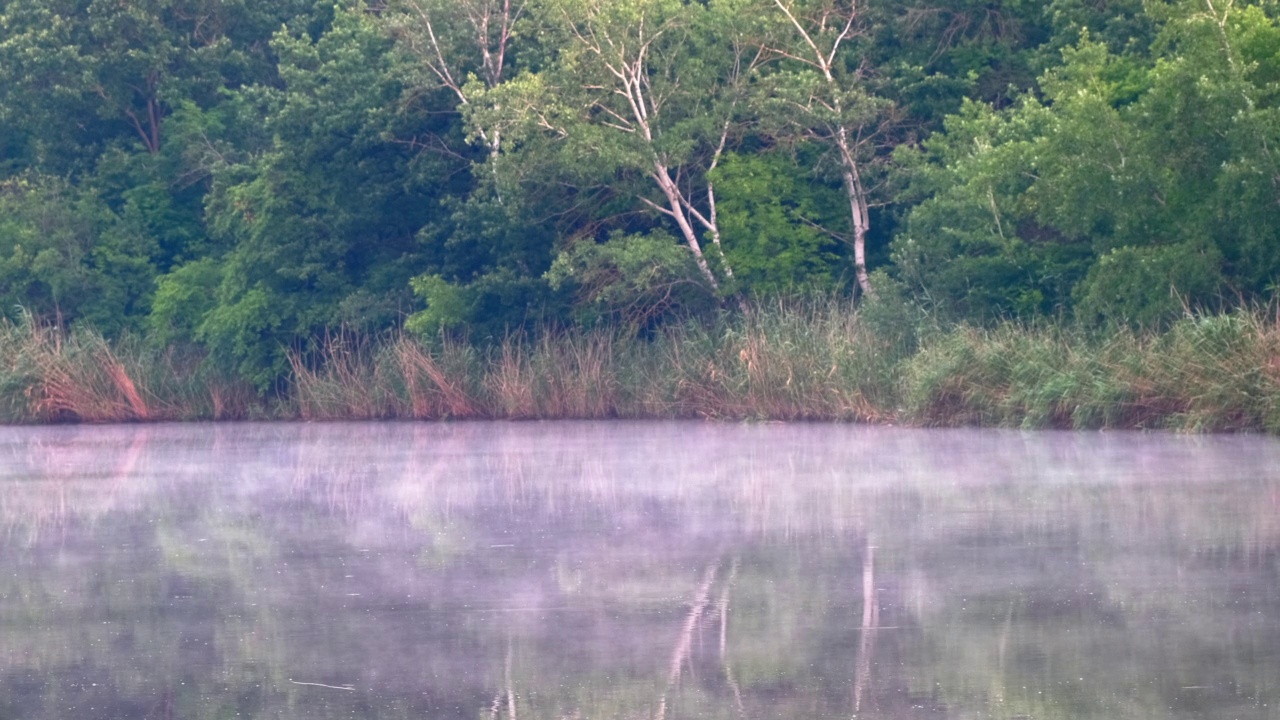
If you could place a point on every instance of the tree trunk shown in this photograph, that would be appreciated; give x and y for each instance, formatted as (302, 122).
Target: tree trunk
(676, 211)
(857, 209)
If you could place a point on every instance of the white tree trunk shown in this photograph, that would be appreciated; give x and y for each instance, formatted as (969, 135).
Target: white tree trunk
(832, 18)
(675, 205)
(857, 211)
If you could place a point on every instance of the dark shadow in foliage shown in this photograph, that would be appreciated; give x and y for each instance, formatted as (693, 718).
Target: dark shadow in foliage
(636, 282)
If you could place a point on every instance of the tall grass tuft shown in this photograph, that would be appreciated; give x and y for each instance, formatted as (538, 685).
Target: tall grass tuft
(1224, 371)
(1207, 373)
(437, 385)
(798, 360)
(47, 375)
(345, 380)
(572, 374)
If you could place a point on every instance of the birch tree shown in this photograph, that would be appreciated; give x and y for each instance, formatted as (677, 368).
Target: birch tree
(461, 46)
(638, 89)
(818, 89)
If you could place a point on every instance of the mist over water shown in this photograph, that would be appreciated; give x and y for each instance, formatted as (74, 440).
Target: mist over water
(635, 570)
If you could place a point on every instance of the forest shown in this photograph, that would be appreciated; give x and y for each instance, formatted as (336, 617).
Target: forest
(1052, 213)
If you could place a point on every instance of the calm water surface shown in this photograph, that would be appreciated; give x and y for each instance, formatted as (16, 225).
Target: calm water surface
(618, 570)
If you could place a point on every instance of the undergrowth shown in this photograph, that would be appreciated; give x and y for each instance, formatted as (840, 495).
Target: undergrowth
(784, 360)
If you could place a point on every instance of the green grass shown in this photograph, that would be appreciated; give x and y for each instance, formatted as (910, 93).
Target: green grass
(1211, 373)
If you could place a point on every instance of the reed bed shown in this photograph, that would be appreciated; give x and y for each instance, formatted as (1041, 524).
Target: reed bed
(792, 361)
(785, 360)
(1210, 373)
(50, 376)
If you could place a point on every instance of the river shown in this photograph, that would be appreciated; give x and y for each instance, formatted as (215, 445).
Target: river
(636, 570)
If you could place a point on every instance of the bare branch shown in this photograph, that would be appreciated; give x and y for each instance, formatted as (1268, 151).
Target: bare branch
(804, 35)
(656, 206)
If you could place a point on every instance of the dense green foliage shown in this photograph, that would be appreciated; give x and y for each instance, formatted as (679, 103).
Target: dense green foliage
(245, 182)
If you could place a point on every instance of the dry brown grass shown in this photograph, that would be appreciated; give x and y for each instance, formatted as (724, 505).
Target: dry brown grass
(432, 393)
(47, 375)
(343, 381)
(509, 381)
(81, 379)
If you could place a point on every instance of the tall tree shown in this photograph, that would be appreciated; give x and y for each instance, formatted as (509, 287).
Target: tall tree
(1126, 190)
(93, 72)
(321, 223)
(819, 89)
(641, 90)
(461, 46)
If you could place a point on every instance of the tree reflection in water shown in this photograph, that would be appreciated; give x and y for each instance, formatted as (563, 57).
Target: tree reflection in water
(620, 570)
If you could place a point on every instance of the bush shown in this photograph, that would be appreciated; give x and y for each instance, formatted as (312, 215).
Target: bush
(1150, 286)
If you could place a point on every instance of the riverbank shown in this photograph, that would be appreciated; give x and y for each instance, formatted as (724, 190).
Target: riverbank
(792, 361)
